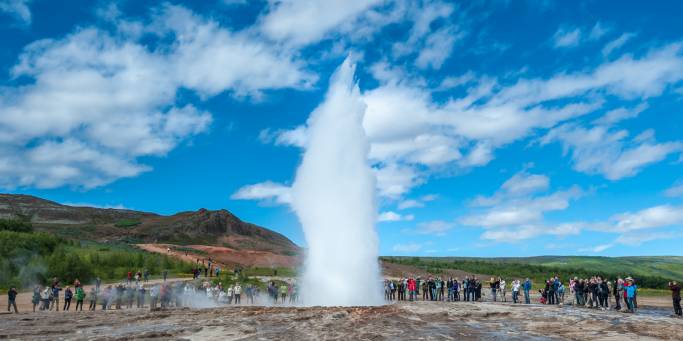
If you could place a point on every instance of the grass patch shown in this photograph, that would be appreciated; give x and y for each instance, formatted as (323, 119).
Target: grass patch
(127, 223)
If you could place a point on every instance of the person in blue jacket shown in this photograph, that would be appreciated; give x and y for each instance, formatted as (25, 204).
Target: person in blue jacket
(527, 288)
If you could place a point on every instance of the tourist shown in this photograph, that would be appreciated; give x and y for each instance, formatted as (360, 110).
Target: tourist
(527, 288)
(45, 297)
(630, 291)
(456, 289)
(412, 288)
(515, 291)
(560, 293)
(494, 287)
(550, 291)
(503, 289)
(12, 300)
(68, 295)
(80, 296)
(676, 297)
(283, 292)
(93, 299)
(618, 292)
(238, 293)
(36, 298)
(55, 295)
(141, 296)
(154, 297)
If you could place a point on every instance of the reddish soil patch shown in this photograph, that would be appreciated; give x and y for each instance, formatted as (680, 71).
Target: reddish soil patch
(225, 256)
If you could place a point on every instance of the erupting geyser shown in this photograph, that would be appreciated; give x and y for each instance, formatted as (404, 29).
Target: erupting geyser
(334, 198)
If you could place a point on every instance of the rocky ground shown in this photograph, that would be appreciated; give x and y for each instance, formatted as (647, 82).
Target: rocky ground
(409, 320)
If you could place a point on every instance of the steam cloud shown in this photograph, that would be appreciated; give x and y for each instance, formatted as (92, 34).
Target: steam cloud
(334, 198)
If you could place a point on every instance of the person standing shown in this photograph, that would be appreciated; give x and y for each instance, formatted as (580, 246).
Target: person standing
(80, 296)
(492, 284)
(237, 291)
(55, 295)
(93, 299)
(618, 292)
(527, 288)
(283, 292)
(515, 291)
(503, 289)
(36, 297)
(630, 291)
(68, 295)
(676, 297)
(12, 300)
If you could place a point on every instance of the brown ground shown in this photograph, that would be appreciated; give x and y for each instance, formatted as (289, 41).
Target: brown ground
(225, 256)
(401, 321)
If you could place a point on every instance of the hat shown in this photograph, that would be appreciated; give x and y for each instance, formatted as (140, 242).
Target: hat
(629, 279)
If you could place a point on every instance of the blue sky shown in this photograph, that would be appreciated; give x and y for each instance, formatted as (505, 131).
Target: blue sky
(497, 128)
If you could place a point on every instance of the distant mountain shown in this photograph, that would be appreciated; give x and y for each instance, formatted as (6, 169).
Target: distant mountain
(203, 227)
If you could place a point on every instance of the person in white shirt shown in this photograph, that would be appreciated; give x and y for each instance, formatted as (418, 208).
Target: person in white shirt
(237, 291)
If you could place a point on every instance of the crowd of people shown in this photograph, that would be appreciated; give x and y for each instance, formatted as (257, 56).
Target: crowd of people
(136, 291)
(596, 292)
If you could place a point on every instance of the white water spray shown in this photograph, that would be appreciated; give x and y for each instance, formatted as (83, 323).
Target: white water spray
(334, 197)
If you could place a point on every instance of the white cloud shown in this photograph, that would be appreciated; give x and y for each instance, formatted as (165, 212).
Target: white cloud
(652, 217)
(407, 248)
(598, 31)
(266, 191)
(451, 82)
(602, 151)
(301, 22)
(393, 216)
(520, 184)
(102, 100)
(414, 203)
(438, 47)
(19, 9)
(620, 114)
(617, 43)
(675, 191)
(565, 37)
(393, 180)
(516, 211)
(410, 130)
(437, 227)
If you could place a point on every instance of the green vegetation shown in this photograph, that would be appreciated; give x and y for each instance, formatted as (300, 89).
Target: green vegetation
(28, 258)
(127, 223)
(15, 225)
(650, 272)
(280, 272)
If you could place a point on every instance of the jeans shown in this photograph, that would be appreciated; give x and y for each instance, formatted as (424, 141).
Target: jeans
(629, 304)
(55, 304)
(493, 294)
(67, 304)
(526, 296)
(12, 304)
(676, 301)
(515, 295)
(79, 304)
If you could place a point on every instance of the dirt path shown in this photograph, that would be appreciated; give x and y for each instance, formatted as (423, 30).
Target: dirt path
(401, 321)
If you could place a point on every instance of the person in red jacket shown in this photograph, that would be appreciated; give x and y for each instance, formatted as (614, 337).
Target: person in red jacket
(412, 288)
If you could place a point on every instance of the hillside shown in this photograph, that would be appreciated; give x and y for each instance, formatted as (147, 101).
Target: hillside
(218, 228)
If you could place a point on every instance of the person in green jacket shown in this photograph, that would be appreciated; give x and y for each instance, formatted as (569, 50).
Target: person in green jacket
(283, 292)
(80, 296)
